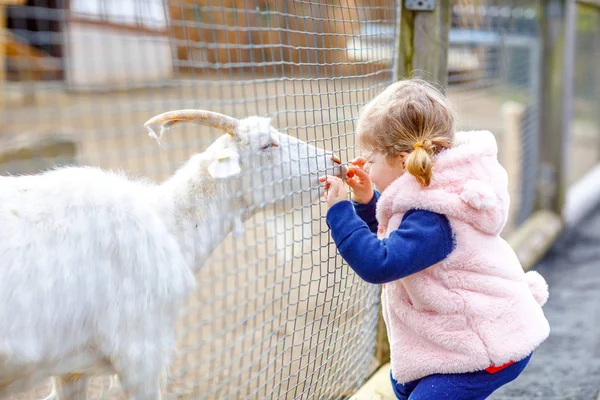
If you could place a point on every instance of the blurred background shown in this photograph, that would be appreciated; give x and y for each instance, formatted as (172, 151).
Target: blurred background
(78, 79)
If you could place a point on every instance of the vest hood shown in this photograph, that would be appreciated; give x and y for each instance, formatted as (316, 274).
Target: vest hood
(468, 183)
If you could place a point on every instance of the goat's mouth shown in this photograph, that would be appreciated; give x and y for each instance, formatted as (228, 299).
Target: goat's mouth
(341, 171)
(344, 173)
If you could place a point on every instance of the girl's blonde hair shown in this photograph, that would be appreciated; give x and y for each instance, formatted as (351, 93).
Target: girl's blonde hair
(412, 119)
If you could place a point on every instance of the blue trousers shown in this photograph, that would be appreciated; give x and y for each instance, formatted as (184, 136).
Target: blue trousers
(469, 386)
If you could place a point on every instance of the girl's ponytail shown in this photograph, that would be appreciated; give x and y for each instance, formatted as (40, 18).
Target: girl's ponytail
(418, 162)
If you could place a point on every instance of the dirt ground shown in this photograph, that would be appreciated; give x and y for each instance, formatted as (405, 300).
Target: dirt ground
(256, 328)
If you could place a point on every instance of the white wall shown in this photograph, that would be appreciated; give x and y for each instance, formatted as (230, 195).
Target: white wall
(105, 56)
(147, 13)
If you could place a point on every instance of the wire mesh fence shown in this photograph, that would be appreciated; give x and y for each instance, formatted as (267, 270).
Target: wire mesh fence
(277, 313)
(81, 78)
(494, 67)
(584, 151)
(498, 88)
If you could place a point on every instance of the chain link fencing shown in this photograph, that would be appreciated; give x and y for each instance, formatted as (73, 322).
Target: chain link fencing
(495, 67)
(494, 76)
(584, 149)
(82, 76)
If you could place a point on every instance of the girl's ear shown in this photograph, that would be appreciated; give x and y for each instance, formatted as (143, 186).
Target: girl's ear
(398, 161)
(401, 159)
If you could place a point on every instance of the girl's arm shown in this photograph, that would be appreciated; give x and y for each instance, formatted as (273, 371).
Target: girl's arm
(367, 212)
(424, 238)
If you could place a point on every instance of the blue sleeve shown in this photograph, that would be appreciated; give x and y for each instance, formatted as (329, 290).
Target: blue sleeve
(367, 212)
(423, 238)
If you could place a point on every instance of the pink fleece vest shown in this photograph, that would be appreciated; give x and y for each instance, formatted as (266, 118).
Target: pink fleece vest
(476, 308)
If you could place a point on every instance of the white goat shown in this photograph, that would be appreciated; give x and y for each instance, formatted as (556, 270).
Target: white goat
(94, 266)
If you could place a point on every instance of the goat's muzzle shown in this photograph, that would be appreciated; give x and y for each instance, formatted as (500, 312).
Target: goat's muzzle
(338, 166)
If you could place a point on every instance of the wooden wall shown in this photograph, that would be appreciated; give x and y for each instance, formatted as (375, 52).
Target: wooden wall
(301, 33)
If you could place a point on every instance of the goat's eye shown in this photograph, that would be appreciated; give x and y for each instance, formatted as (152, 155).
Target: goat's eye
(268, 145)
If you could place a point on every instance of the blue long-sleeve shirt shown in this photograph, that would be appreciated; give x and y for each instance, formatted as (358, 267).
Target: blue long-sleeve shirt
(423, 238)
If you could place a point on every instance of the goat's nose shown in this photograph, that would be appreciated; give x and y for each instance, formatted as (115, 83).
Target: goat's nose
(344, 173)
(336, 159)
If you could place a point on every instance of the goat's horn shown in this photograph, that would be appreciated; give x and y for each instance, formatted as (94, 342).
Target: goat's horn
(202, 117)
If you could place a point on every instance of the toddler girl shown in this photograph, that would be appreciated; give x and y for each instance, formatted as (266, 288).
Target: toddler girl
(462, 317)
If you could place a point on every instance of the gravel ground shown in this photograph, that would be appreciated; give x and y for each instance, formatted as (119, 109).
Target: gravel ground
(567, 364)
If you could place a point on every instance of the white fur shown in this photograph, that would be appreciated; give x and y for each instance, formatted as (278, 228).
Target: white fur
(94, 265)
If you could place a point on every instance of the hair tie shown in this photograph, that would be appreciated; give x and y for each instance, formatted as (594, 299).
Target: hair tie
(418, 144)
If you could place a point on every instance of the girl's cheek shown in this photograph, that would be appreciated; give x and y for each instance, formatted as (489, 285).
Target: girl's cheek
(373, 179)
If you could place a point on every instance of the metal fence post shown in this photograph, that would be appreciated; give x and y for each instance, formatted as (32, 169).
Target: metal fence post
(557, 25)
(422, 52)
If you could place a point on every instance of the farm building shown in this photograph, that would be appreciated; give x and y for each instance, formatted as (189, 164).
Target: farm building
(271, 33)
(190, 35)
(55, 42)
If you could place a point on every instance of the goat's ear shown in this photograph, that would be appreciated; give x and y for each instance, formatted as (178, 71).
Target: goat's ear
(226, 164)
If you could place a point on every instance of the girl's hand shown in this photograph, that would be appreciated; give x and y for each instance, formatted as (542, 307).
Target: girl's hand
(334, 190)
(359, 181)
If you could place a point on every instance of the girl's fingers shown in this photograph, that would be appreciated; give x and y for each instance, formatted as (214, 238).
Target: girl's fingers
(328, 178)
(353, 183)
(332, 189)
(331, 181)
(359, 161)
(360, 174)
